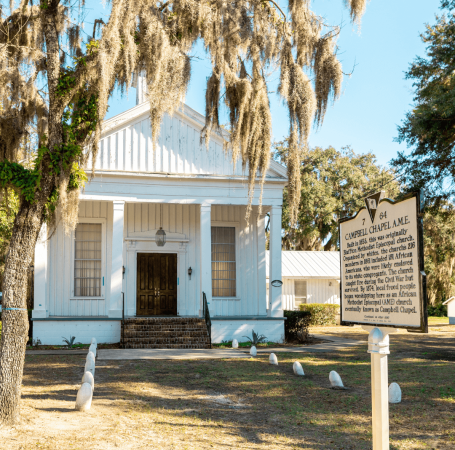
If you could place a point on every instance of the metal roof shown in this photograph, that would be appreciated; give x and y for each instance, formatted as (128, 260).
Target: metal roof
(296, 264)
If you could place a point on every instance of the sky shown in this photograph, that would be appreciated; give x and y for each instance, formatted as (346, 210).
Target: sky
(375, 97)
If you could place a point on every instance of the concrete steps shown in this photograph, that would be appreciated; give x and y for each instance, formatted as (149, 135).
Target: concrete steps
(165, 332)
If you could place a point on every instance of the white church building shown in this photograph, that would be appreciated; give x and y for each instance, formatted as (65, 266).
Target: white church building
(111, 270)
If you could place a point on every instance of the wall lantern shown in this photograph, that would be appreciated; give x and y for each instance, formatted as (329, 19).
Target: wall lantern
(190, 271)
(123, 271)
(160, 236)
(277, 283)
(330, 283)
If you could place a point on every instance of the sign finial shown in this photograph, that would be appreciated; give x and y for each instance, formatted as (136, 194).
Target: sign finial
(372, 203)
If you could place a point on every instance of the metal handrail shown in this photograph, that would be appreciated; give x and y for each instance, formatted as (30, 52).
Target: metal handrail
(206, 313)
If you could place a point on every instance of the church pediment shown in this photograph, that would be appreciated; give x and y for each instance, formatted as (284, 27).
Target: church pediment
(126, 145)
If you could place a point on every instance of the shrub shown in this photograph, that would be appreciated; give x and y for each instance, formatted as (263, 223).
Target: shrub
(321, 313)
(296, 325)
(437, 310)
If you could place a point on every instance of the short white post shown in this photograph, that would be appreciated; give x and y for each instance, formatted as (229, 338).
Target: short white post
(378, 347)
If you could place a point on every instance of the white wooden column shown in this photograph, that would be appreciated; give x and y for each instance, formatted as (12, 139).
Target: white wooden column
(261, 264)
(40, 309)
(115, 303)
(275, 304)
(206, 254)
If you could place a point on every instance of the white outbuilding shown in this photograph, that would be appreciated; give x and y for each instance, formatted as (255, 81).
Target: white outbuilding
(451, 309)
(309, 277)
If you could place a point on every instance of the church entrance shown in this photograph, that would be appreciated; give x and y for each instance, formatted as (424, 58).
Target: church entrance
(156, 284)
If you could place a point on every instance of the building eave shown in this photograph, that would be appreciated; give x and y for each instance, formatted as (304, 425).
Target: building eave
(199, 176)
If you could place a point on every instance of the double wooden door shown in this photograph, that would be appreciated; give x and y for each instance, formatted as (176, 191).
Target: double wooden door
(156, 284)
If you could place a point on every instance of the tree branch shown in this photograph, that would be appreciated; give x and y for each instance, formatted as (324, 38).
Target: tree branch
(281, 11)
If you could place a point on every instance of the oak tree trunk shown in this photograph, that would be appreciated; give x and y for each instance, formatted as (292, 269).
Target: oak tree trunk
(27, 226)
(14, 333)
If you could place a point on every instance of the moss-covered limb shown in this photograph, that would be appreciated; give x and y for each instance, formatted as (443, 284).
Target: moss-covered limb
(51, 205)
(74, 79)
(79, 121)
(80, 118)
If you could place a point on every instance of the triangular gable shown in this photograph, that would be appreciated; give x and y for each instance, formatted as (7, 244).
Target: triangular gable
(126, 145)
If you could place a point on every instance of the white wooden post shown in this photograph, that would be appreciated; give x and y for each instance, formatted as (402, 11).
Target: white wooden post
(261, 264)
(39, 294)
(115, 306)
(206, 254)
(378, 347)
(275, 307)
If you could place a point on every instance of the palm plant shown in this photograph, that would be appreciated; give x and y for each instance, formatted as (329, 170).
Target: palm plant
(70, 342)
(256, 338)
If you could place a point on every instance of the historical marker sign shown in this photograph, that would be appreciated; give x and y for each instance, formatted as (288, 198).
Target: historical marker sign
(382, 273)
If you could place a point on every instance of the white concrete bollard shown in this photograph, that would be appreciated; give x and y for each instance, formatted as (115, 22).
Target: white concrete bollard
(92, 349)
(298, 369)
(84, 397)
(273, 359)
(93, 342)
(253, 351)
(335, 380)
(235, 343)
(394, 393)
(90, 366)
(88, 378)
(90, 357)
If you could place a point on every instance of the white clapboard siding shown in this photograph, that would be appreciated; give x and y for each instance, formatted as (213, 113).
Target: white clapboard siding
(61, 301)
(250, 263)
(320, 291)
(288, 294)
(178, 149)
(142, 219)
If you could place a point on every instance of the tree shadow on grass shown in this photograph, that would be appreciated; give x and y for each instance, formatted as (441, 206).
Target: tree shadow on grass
(303, 408)
(56, 409)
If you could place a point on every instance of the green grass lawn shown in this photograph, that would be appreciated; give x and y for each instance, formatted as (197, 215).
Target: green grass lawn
(437, 320)
(242, 403)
